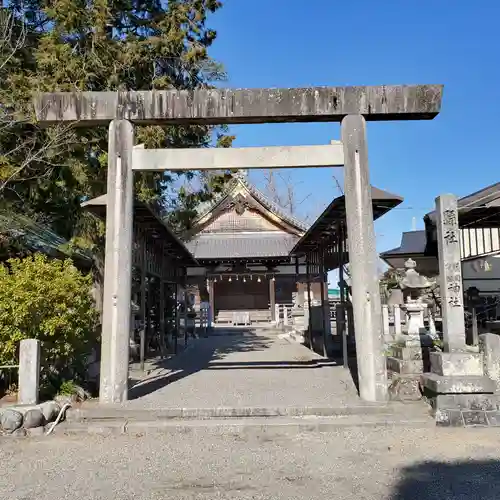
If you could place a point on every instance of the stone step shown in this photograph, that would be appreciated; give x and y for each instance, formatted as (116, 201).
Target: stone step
(95, 412)
(270, 425)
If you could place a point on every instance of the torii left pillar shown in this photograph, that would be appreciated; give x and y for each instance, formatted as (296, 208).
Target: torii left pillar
(118, 265)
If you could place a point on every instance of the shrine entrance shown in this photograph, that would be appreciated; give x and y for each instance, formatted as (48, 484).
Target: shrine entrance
(352, 106)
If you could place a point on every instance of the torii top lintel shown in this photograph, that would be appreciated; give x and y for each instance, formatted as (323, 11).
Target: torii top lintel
(218, 106)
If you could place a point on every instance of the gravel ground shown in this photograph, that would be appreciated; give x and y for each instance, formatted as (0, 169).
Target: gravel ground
(400, 464)
(257, 369)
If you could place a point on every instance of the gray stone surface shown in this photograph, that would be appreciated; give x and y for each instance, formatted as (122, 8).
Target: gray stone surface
(29, 371)
(33, 418)
(415, 341)
(407, 353)
(404, 388)
(405, 366)
(50, 410)
(10, 420)
(118, 265)
(363, 262)
(256, 368)
(466, 402)
(457, 385)
(216, 106)
(449, 418)
(349, 464)
(490, 348)
(450, 272)
(457, 363)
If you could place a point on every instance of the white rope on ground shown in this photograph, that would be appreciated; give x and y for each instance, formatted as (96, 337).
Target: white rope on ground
(61, 413)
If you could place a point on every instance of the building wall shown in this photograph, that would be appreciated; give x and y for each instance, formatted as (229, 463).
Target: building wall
(482, 273)
(479, 241)
(241, 295)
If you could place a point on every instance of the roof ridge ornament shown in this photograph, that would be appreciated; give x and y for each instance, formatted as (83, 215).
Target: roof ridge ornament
(241, 174)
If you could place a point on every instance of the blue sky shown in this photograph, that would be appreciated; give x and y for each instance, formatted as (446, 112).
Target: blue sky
(292, 43)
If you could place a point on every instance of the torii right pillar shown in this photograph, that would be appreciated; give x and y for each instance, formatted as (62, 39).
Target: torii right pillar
(363, 259)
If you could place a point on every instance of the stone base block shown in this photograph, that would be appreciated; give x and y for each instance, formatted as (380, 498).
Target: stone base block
(405, 366)
(422, 340)
(466, 410)
(484, 402)
(467, 418)
(451, 364)
(404, 388)
(440, 384)
(410, 353)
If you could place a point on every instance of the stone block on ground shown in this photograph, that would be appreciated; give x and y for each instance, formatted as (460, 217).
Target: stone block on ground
(33, 418)
(410, 353)
(50, 410)
(493, 418)
(490, 348)
(404, 388)
(405, 366)
(440, 384)
(449, 418)
(422, 340)
(450, 364)
(35, 431)
(484, 402)
(10, 420)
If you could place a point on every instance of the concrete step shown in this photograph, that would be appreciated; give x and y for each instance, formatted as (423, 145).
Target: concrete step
(94, 412)
(269, 425)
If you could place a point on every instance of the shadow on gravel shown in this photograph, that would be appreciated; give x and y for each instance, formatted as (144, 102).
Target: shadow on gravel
(199, 357)
(450, 481)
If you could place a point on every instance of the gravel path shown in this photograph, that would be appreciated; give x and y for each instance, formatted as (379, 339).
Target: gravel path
(375, 464)
(255, 369)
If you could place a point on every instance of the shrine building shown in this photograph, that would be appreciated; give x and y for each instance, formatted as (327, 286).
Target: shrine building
(243, 243)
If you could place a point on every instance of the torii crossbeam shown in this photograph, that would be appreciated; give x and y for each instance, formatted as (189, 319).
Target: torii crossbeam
(351, 106)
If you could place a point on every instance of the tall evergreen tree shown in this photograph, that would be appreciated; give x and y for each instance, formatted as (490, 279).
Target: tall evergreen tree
(98, 45)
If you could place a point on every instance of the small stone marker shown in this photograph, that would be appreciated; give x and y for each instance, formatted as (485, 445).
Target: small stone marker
(450, 272)
(29, 371)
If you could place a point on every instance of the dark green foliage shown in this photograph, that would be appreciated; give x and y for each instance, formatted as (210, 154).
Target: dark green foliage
(73, 45)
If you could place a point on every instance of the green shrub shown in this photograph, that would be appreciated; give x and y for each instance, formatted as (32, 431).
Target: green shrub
(49, 300)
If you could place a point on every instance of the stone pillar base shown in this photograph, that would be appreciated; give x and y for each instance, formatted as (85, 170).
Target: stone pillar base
(458, 390)
(410, 358)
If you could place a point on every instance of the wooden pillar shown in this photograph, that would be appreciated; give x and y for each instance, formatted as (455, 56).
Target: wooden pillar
(177, 315)
(272, 298)
(115, 343)
(142, 349)
(323, 307)
(341, 321)
(149, 313)
(163, 343)
(211, 300)
(308, 280)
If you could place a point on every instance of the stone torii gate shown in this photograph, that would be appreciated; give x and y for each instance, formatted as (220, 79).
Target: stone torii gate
(351, 106)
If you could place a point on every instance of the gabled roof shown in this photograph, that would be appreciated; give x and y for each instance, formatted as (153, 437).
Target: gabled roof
(479, 209)
(241, 180)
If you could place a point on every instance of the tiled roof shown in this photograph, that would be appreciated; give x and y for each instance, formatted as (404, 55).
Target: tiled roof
(218, 246)
(412, 242)
(260, 196)
(479, 209)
